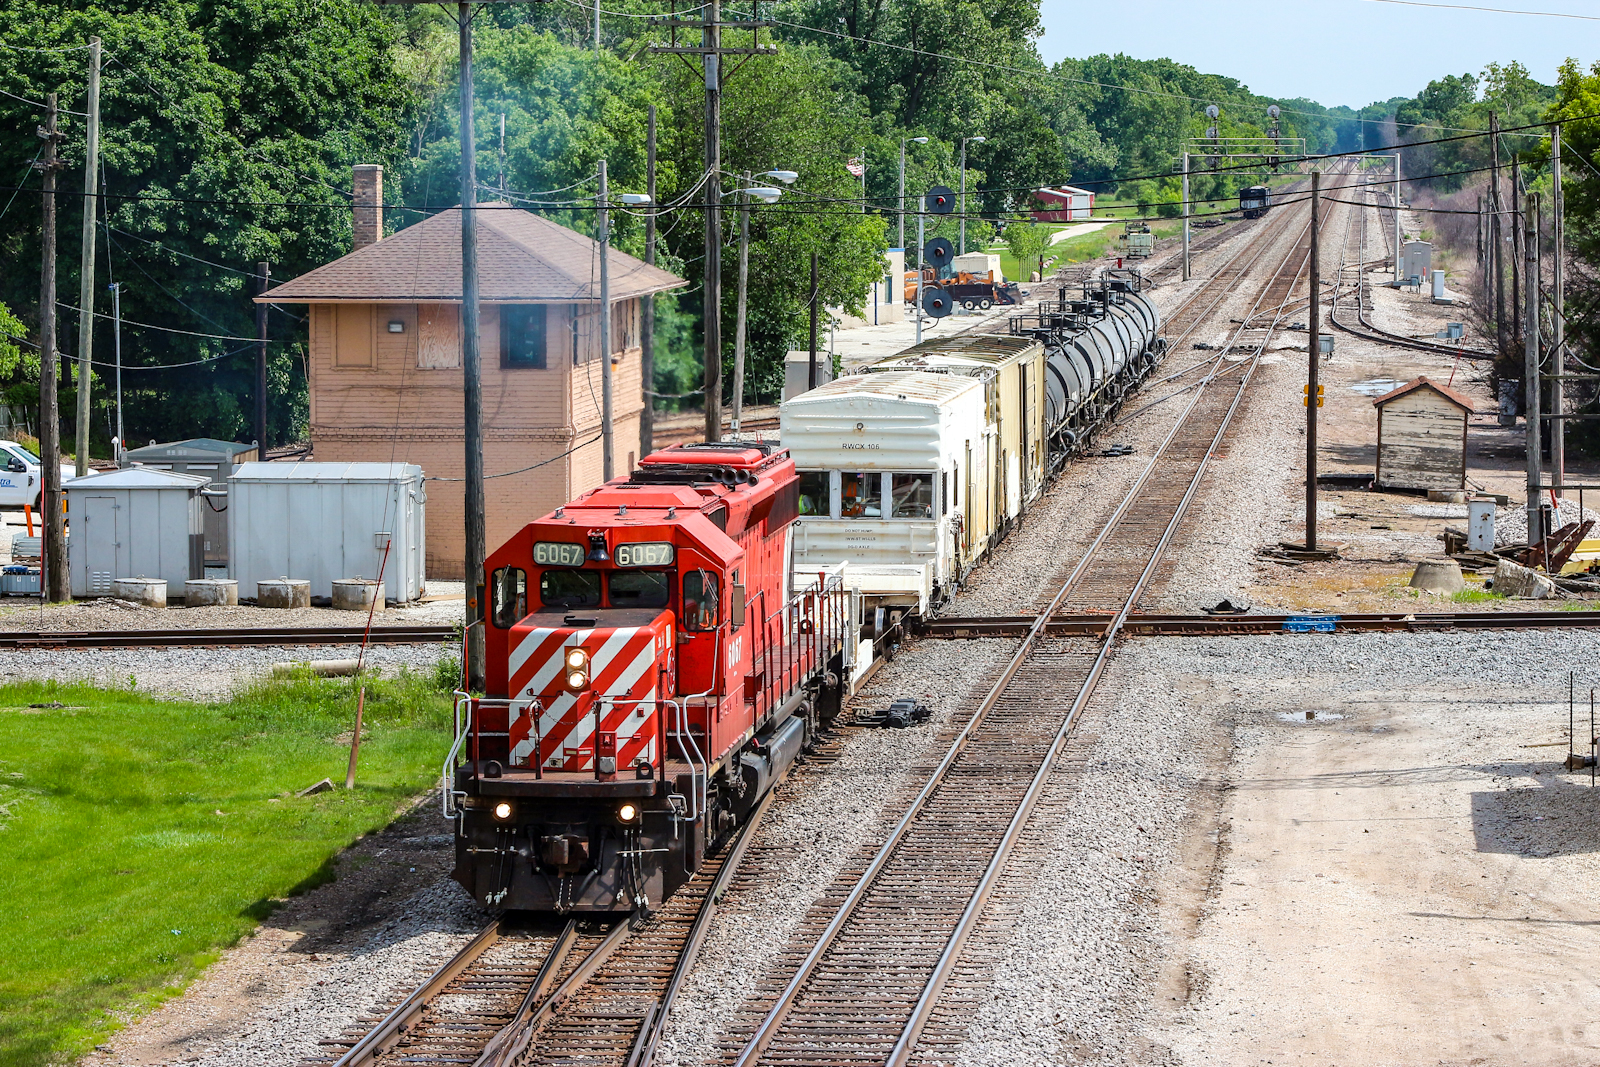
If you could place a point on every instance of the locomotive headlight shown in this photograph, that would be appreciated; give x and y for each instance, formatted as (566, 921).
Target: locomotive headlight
(502, 811)
(627, 813)
(577, 663)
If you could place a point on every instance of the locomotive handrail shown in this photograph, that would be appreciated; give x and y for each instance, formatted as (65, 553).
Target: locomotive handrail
(683, 734)
(459, 720)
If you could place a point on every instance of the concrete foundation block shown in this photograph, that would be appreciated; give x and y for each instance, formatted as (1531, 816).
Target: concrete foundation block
(210, 593)
(356, 594)
(1442, 576)
(284, 593)
(148, 592)
(1512, 579)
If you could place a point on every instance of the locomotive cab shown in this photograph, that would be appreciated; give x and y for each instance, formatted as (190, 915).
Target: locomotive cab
(647, 679)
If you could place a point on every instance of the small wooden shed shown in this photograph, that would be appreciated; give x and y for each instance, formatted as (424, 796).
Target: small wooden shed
(1422, 437)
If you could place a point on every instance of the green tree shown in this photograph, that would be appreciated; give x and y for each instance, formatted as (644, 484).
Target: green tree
(1027, 242)
(228, 133)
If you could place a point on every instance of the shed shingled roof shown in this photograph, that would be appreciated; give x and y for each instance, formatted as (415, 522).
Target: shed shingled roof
(1417, 383)
(521, 257)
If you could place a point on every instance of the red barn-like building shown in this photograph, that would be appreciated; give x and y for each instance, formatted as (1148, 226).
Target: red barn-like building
(1066, 203)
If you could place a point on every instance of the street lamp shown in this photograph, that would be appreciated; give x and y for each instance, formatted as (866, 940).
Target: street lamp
(964, 140)
(900, 205)
(766, 194)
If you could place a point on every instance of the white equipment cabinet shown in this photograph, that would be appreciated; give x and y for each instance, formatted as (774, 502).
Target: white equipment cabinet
(891, 465)
(325, 521)
(132, 523)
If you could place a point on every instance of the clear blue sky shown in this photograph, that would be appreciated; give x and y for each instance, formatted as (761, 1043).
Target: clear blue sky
(1350, 52)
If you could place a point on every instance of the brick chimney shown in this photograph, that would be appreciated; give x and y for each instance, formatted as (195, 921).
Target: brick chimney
(367, 204)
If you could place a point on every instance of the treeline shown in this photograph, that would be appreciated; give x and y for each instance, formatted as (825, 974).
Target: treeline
(230, 127)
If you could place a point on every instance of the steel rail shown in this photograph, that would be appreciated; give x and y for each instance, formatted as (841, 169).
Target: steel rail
(243, 636)
(644, 1049)
(1158, 625)
(535, 995)
(387, 1033)
(508, 1049)
(970, 916)
(1371, 331)
(775, 1017)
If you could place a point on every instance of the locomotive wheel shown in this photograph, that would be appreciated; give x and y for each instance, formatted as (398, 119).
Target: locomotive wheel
(985, 304)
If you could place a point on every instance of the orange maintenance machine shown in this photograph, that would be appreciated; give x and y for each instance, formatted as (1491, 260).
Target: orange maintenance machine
(650, 676)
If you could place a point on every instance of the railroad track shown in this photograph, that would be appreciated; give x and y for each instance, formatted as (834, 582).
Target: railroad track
(1157, 625)
(595, 993)
(875, 963)
(1350, 295)
(257, 636)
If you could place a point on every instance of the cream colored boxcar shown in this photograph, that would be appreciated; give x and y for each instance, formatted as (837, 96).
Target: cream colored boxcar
(1422, 437)
(893, 475)
(1012, 370)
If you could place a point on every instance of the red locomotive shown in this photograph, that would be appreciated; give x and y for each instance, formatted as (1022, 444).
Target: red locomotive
(649, 677)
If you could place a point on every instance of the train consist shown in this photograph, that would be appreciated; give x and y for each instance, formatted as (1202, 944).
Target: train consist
(1254, 201)
(659, 651)
(651, 671)
(913, 471)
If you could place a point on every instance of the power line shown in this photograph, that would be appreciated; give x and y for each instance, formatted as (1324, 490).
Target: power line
(1492, 10)
(169, 329)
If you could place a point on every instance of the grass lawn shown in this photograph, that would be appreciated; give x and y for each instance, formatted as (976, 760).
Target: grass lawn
(139, 836)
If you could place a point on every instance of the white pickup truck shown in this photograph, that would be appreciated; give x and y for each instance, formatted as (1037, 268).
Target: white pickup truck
(19, 476)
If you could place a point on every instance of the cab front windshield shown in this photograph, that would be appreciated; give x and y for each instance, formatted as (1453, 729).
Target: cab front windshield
(561, 588)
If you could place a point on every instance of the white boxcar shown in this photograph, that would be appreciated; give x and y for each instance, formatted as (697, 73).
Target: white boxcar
(324, 521)
(888, 464)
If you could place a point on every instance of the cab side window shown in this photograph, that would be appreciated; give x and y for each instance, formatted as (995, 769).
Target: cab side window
(509, 599)
(814, 493)
(701, 601)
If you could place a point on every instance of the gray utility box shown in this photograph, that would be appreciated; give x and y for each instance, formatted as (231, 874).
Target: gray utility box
(1417, 260)
(797, 372)
(325, 521)
(134, 522)
(216, 460)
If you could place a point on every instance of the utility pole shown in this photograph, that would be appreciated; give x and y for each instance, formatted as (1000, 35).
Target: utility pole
(1530, 377)
(711, 52)
(55, 584)
(739, 324)
(263, 283)
(711, 40)
(1185, 216)
(1497, 236)
(900, 203)
(86, 292)
(922, 219)
(1313, 353)
(502, 160)
(607, 451)
(1399, 233)
(116, 325)
(811, 376)
(596, 27)
(1558, 324)
(471, 371)
(964, 140)
(1517, 245)
(647, 314)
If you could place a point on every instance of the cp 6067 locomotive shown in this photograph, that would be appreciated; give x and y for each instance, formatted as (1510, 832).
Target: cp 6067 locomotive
(649, 677)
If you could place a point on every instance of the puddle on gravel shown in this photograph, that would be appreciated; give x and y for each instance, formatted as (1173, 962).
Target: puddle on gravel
(1310, 717)
(1376, 386)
